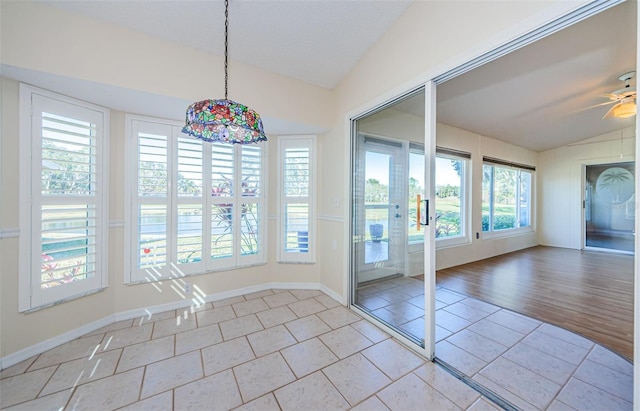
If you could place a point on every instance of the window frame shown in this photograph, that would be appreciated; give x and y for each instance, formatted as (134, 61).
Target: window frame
(519, 168)
(134, 125)
(297, 142)
(33, 101)
(465, 202)
(465, 193)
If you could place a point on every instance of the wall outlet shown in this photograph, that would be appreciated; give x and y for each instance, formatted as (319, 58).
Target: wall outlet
(187, 288)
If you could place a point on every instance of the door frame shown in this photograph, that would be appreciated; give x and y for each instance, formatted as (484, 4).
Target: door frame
(583, 179)
(397, 253)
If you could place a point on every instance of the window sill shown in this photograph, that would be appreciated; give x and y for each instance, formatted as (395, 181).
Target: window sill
(452, 242)
(137, 281)
(64, 300)
(511, 232)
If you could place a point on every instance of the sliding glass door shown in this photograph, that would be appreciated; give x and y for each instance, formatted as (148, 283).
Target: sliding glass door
(387, 186)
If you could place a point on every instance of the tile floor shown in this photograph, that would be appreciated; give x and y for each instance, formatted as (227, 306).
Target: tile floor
(300, 349)
(532, 365)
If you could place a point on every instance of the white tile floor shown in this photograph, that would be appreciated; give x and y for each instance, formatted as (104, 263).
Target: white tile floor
(532, 365)
(301, 350)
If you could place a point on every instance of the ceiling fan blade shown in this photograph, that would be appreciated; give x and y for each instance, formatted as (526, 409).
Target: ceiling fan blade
(597, 105)
(609, 113)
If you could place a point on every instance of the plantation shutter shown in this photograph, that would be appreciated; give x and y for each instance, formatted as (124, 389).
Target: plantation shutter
(251, 195)
(67, 215)
(152, 200)
(190, 207)
(222, 207)
(296, 184)
(198, 206)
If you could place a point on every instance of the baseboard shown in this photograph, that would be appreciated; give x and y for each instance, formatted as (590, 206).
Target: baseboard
(39, 348)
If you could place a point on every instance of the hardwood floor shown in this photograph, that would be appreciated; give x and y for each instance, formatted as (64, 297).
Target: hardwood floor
(587, 292)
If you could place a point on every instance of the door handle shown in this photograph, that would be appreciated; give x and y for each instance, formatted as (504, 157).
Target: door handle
(426, 213)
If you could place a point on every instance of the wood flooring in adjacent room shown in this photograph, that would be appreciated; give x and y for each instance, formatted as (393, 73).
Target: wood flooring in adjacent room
(587, 292)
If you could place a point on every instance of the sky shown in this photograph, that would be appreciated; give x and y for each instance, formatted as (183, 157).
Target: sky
(378, 168)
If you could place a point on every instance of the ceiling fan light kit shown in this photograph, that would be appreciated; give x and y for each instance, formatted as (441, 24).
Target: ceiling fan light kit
(625, 109)
(624, 99)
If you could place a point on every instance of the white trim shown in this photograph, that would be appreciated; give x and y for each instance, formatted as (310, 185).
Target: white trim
(30, 295)
(38, 348)
(430, 229)
(116, 224)
(332, 218)
(9, 233)
(297, 256)
(636, 259)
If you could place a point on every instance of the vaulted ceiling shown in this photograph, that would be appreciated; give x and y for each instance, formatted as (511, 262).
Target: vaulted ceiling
(535, 97)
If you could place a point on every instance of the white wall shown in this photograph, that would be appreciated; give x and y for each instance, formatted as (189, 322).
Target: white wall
(122, 59)
(560, 184)
(44, 39)
(480, 146)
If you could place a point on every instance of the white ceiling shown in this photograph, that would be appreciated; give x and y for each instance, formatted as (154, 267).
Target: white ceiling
(532, 97)
(317, 41)
(536, 97)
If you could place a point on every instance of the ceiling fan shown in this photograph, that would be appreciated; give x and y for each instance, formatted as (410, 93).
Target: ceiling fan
(623, 100)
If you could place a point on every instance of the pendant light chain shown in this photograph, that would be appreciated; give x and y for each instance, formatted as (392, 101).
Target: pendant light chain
(224, 121)
(226, 49)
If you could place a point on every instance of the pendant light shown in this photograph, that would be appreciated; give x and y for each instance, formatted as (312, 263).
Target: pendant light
(224, 121)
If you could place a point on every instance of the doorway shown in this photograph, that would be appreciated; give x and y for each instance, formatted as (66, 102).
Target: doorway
(388, 181)
(382, 251)
(609, 207)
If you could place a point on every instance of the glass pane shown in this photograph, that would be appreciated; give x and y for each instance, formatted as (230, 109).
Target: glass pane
(449, 174)
(487, 183)
(525, 199)
(68, 244)
(504, 198)
(249, 229)
(416, 188)
(189, 233)
(297, 228)
(68, 156)
(610, 206)
(296, 172)
(251, 171)
(189, 167)
(221, 231)
(152, 236)
(388, 172)
(152, 165)
(376, 203)
(221, 170)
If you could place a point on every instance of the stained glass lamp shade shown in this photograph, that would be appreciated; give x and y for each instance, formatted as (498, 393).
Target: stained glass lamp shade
(224, 121)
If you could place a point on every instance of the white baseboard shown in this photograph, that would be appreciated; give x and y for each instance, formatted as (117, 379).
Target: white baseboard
(39, 348)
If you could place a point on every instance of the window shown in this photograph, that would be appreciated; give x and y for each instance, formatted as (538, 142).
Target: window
(450, 197)
(506, 196)
(296, 188)
(63, 195)
(194, 206)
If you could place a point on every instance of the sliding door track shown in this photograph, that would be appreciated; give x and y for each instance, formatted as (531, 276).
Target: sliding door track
(497, 399)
